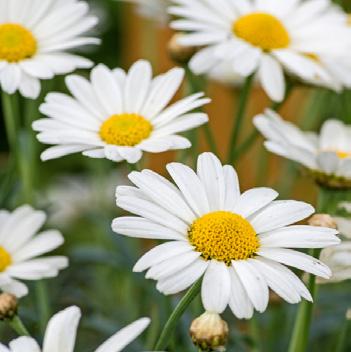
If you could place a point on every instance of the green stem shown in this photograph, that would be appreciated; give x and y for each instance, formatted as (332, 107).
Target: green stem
(11, 121)
(299, 339)
(342, 339)
(210, 139)
(17, 325)
(251, 139)
(176, 315)
(243, 100)
(43, 304)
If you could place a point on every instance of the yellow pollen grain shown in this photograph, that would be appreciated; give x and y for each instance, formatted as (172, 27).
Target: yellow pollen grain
(223, 236)
(125, 129)
(312, 56)
(16, 43)
(262, 30)
(5, 259)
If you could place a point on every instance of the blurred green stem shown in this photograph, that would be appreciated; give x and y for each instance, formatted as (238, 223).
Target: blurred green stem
(242, 107)
(43, 304)
(167, 331)
(17, 325)
(251, 139)
(343, 335)
(11, 120)
(300, 335)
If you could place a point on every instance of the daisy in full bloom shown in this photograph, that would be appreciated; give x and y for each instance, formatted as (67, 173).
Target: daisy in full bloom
(236, 241)
(60, 335)
(20, 245)
(328, 155)
(119, 115)
(34, 38)
(268, 37)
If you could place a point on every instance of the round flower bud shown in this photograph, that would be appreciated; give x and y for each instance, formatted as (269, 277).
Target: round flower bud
(209, 332)
(348, 314)
(180, 54)
(323, 220)
(8, 306)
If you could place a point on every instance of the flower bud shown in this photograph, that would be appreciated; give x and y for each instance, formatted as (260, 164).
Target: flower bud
(8, 306)
(209, 332)
(323, 220)
(348, 314)
(179, 53)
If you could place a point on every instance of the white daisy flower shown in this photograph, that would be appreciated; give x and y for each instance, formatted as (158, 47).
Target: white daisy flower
(20, 245)
(60, 335)
(267, 37)
(152, 9)
(119, 115)
(338, 258)
(327, 155)
(34, 37)
(237, 242)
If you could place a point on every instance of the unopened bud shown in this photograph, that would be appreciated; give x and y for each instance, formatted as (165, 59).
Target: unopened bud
(179, 53)
(323, 220)
(8, 306)
(348, 314)
(209, 332)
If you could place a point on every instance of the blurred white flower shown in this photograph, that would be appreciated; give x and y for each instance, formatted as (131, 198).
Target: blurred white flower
(152, 9)
(20, 245)
(237, 242)
(61, 331)
(338, 258)
(268, 38)
(328, 153)
(71, 196)
(34, 38)
(119, 115)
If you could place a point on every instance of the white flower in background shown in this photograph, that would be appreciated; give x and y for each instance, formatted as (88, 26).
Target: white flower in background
(119, 115)
(71, 196)
(237, 242)
(34, 38)
(20, 245)
(338, 258)
(152, 9)
(327, 154)
(61, 331)
(268, 37)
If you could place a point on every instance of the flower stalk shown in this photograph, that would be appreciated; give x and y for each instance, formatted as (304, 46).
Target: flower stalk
(176, 315)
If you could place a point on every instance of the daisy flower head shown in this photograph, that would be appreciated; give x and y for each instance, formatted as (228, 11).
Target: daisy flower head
(61, 331)
(118, 115)
(239, 242)
(20, 247)
(327, 155)
(266, 37)
(34, 38)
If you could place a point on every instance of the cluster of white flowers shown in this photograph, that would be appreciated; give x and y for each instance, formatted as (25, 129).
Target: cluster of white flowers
(239, 243)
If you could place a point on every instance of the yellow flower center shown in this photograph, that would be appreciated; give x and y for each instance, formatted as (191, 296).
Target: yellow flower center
(262, 30)
(125, 129)
(16, 42)
(5, 259)
(343, 155)
(223, 236)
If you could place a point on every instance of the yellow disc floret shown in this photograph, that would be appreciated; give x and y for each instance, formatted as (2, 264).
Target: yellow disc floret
(223, 236)
(5, 259)
(343, 155)
(125, 129)
(262, 30)
(16, 43)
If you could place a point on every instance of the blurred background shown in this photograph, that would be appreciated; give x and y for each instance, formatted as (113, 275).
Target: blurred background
(78, 194)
